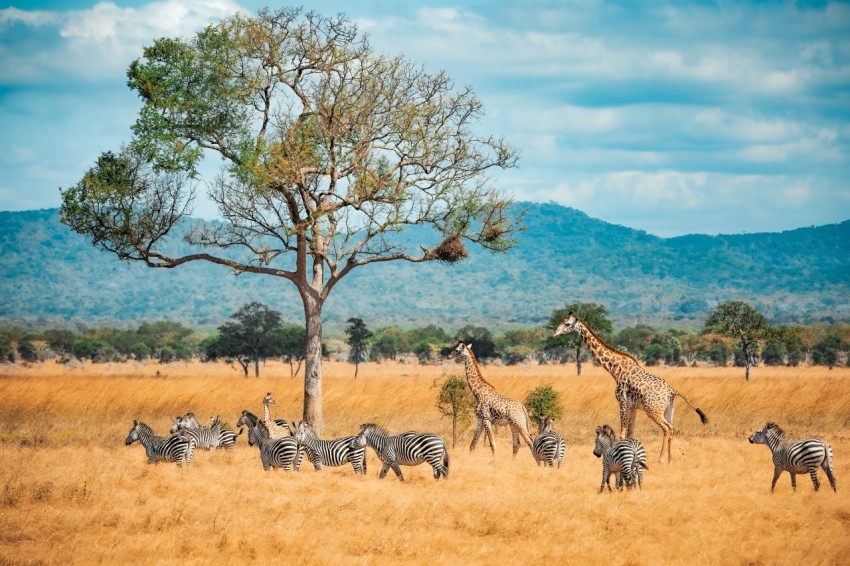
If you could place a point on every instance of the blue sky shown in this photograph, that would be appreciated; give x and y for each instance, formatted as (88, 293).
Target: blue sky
(670, 117)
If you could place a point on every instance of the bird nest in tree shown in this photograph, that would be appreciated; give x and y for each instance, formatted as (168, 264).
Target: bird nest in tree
(492, 232)
(450, 250)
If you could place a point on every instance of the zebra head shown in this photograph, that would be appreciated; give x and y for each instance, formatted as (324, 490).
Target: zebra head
(770, 434)
(461, 349)
(303, 433)
(605, 439)
(544, 424)
(257, 433)
(134, 434)
(569, 324)
(175, 424)
(248, 419)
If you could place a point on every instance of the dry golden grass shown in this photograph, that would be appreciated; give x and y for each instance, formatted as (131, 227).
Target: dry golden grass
(73, 493)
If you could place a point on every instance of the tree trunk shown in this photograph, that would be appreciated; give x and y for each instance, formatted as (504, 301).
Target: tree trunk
(244, 363)
(256, 365)
(313, 414)
(454, 427)
(578, 360)
(356, 369)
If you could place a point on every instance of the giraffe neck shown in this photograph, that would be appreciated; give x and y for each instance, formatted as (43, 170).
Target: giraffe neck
(613, 361)
(266, 419)
(474, 378)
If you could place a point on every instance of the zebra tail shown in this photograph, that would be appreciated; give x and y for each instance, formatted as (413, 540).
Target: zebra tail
(702, 416)
(446, 463)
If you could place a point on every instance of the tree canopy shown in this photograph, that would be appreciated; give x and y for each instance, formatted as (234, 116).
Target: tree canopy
(330, 150)
(740, 321)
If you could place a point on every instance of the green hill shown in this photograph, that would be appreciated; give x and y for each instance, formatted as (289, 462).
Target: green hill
(50, 275)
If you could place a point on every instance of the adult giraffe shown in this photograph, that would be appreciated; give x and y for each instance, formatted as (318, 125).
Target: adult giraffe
(493, 408)
(636, 387)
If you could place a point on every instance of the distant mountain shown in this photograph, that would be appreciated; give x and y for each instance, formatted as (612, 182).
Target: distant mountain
(50, 275)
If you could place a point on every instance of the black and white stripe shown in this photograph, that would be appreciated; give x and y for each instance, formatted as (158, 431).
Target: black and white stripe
(207, 438)
(625, 458)
(795, 457)
(549, 446)
(406, 449)
(173, 448)
(227, 436)
(275, 452)
(336, 452)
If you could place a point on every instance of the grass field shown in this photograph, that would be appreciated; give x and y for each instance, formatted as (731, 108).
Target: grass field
(73, 493)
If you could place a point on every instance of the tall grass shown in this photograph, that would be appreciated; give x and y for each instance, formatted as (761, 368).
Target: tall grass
(72, 492)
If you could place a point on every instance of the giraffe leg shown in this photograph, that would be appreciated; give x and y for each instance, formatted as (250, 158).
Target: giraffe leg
(478, 428)
(515, 439)
(630, 423)
(658, 418)
(488, 431)
(624, 417)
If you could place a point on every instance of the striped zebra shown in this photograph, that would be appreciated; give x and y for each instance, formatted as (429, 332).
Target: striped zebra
(625, 458)
(227, 436)
(207, 438)
(173, 448)
(797, 457)
(274, 452)
(549, 446)
(406, 449)
(332, 453)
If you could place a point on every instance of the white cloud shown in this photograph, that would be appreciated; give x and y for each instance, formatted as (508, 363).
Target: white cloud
(99, 42)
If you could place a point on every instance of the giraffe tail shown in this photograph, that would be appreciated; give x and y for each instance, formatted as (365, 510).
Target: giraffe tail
(702, 416)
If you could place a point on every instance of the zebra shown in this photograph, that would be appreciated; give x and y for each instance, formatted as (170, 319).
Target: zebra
(173, 448)
(626, 459)
(406, 449)
(274, 452)
(549, 445)
(797, 457)
(331, 452)
(207, 438)
(227, 436)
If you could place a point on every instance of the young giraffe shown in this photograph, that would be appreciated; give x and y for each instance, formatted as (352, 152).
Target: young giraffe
(636, 387)
(275, 430)
(493, 408)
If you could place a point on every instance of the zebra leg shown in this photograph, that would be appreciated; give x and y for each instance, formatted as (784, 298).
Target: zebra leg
(776, 473)
(397, 470)
(606, 478)
(384, 469)
(793, 480)
(829, 475)
(815, 480)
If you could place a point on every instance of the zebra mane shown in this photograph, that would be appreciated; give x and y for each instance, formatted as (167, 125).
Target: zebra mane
(373, 426)
(145, 428)
(777, 430)
(608, 432)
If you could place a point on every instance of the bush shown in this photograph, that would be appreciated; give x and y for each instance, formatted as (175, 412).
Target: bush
(543, 402)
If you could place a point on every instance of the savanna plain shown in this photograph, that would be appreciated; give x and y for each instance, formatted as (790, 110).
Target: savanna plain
(73, 493)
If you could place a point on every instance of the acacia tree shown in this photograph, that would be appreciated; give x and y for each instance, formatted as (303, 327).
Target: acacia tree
(357, 336)
(741, 322)
(330, 150)
(251, 336)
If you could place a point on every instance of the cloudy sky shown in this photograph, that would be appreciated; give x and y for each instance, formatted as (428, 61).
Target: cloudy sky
(670, 117)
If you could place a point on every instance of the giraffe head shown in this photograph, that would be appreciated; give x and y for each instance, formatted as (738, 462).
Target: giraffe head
(461, 349)
(268, 399)
(569, 324)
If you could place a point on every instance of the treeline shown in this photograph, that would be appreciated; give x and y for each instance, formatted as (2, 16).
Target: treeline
(734, 333)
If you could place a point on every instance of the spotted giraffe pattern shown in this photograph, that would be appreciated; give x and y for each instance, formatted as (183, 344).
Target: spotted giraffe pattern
(275, 430)
(493, 408)
(636, 388)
